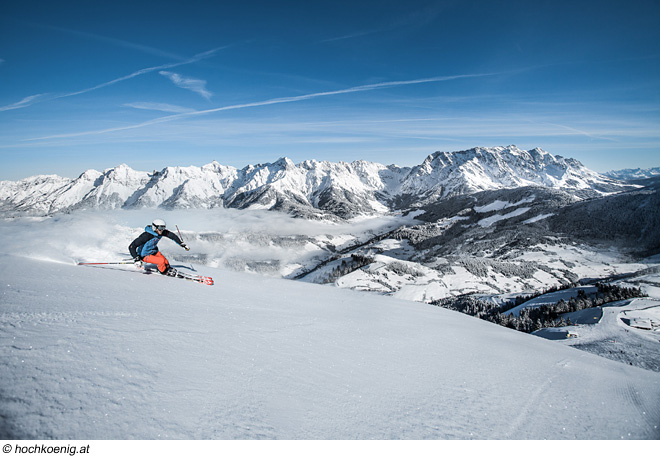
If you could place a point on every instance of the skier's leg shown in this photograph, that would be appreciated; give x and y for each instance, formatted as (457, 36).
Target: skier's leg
(158, 259)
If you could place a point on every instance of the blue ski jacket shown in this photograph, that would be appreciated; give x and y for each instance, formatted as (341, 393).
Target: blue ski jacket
(147, 243)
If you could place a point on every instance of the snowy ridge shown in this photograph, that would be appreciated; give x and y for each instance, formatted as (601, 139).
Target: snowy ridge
(336, 189)
(633, 174)
(502, 241)
(445, 174)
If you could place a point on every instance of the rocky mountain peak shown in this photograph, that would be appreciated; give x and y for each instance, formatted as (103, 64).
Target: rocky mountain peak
(343, 189)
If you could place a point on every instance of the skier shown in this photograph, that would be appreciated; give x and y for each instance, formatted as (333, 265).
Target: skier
(145, 247)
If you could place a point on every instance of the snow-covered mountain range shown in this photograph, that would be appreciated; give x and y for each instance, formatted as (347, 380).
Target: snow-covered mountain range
(483, 222)
(107, 352)
(309, 188)
(634, 174)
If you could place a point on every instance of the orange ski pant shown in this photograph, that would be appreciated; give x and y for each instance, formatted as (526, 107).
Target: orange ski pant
(157, 259)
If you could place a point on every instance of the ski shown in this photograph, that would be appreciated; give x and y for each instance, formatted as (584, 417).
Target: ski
(123, 262)
(197, 278)
(176, 274)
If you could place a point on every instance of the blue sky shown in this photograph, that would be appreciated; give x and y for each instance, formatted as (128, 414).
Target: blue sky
(91, 84)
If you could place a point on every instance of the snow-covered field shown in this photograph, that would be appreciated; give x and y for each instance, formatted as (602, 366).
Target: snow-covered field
(627, 331)
(114, 353)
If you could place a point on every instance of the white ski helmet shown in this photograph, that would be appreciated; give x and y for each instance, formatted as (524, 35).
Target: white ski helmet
(158, 224)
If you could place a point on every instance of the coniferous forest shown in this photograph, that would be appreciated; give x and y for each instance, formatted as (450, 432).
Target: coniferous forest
(538, 317)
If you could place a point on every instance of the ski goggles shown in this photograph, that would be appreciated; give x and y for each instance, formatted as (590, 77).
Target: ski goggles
(160, 227)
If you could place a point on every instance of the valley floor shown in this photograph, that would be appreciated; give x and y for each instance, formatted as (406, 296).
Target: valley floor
(627, 331)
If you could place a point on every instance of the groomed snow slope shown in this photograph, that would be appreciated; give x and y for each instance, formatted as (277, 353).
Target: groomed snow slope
(89, 353)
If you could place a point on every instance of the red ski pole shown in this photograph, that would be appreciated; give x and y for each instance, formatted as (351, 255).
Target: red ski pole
(106, 263)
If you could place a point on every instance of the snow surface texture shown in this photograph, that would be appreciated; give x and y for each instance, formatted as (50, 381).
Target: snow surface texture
(114, 353)
(626, 331)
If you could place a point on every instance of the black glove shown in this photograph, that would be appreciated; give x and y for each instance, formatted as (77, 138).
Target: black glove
(137, 258)
(185, 246)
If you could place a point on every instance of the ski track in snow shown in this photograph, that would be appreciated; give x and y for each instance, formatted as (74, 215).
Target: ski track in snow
(116, 354)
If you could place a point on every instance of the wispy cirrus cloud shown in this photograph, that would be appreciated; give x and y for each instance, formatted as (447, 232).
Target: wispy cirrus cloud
(192, 84)
(196, 58)
(412, 19)
(30, 100)
(158, 106)
(102, 38)
(352, 35)
(25, 102)
(282, 100)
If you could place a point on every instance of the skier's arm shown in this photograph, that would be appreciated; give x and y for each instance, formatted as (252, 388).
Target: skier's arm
(173, 237)
(137, 242)
(176, 239)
